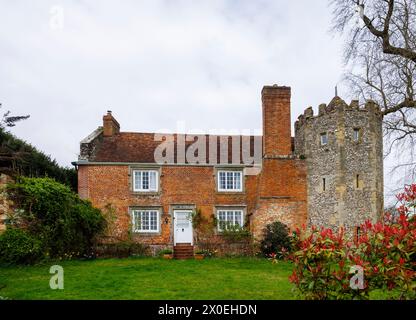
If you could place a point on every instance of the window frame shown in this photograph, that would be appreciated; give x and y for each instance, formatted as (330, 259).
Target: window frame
(149, 211)
(357, 131)
(233, 172)
(226, 212)
(321, 135)
(156, 189)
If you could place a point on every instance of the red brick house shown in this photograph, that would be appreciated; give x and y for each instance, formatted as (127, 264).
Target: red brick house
(152, 199)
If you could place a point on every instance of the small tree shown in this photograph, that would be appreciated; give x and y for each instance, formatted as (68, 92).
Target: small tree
(276, 239)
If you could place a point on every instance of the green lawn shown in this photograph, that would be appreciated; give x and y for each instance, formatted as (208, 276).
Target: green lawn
(152, 278)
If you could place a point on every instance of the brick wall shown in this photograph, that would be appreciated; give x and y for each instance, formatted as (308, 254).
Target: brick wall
(179, 185)
(83, 182)
(282, 194)
(276, 192)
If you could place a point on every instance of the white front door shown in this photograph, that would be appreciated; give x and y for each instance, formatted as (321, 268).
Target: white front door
(183, 232)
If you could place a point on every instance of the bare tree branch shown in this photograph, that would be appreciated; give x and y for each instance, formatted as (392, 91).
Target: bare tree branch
(380, 59)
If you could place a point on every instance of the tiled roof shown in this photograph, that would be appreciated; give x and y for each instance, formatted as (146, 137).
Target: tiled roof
(140, 148)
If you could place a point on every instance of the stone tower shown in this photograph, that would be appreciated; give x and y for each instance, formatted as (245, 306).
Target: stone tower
(343, 150)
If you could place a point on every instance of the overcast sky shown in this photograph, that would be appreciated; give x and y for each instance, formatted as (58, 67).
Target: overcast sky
(154, 63)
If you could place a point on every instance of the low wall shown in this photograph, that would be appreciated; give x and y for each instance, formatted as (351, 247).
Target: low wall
(244, 248)
(4, 202)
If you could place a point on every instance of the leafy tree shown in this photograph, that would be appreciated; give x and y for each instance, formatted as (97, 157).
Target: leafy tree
(17, 157)
(66, 225)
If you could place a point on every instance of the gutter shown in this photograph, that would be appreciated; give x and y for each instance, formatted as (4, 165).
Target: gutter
(147, 164)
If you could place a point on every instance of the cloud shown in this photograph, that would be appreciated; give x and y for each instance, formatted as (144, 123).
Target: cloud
(154, 63)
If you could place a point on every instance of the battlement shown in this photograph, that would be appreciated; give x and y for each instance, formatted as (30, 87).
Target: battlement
(337, 105)
(343, 149)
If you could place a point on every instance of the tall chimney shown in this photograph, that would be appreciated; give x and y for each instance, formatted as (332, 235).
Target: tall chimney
(276, 121)
(110, 124)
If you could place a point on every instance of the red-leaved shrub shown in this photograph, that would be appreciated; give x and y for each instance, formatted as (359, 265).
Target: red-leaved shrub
(384, 251)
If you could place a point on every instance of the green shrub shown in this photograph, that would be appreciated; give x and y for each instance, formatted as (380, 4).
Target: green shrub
(50, 211)
(165, 251)
(234, 234)
(19, 247)
(276, 239)
(208, 253)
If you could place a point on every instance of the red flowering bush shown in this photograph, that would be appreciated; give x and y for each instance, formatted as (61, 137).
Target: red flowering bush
(320, 270)
(407, 201)
(384, 252)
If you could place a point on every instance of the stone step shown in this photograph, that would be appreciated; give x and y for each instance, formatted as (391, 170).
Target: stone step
(183, 248)
(183, 251)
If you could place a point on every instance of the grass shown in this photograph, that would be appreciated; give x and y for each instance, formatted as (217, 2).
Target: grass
(152, 278)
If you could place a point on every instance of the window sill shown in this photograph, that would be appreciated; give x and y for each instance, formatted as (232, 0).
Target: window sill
(231, 192)
(145, 193)
(146, 234)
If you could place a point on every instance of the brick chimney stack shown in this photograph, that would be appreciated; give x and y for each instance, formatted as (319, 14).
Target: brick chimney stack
(110, 125)
(276, 121)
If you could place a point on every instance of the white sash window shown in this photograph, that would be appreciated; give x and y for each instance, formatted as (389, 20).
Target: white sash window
(229, 218)
(230, 180)
(145, 220)
(145, 180)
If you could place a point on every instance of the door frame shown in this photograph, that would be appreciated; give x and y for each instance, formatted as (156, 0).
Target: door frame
(190, 224)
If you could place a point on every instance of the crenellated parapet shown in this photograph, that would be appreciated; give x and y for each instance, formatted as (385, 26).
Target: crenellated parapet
(343, 149)
(337, 105)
